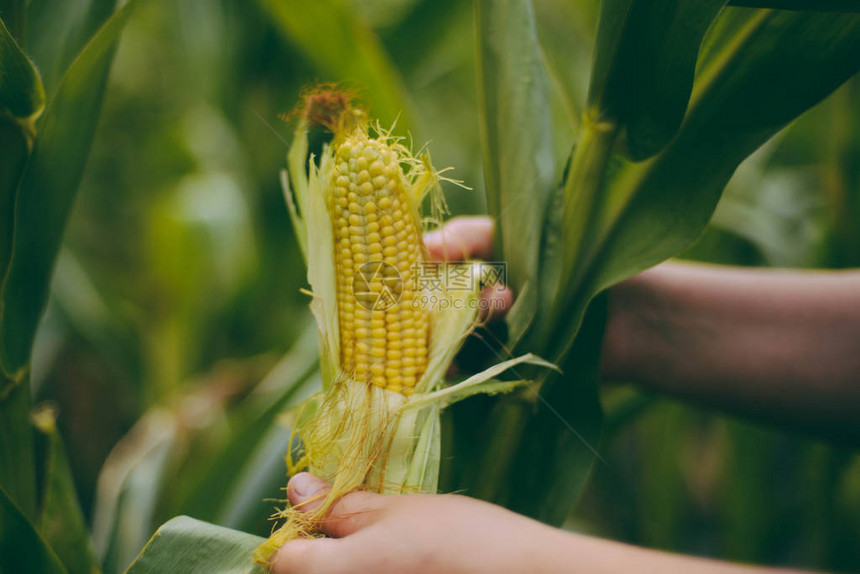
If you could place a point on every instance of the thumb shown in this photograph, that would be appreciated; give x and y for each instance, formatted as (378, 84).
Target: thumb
(351, 513)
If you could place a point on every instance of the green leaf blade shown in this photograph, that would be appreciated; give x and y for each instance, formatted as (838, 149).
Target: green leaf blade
(21, 91)
(58, 32)
(47, 190)
(516, 131)
(564, 430)
(194, 547)
(758, 72)
(344, 49)
(645, 57)
(61, 521)
(22, 99)
(21, 547)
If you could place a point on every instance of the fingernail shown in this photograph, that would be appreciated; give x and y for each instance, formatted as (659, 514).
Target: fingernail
(305, 485)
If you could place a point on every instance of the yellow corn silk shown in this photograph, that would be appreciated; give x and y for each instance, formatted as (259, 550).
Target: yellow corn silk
(384, 352)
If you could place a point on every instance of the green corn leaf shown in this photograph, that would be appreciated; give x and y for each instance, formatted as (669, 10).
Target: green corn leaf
(246, 472)
(58, 31)
(811, 5)
(536, 449)
(141, 476)
(847, 144)
(21, 93)
(21, 547)
(563, 429)
(46, 191)
(233, 477)
(61, 521)
(644, 59)
(344, 49)
(131, 486)
(17, 462)
(13, 13)
(516, 133)
(566, 31)
(15, 143)
(194, 547)
(22, 99)
(258, 487)
(758, 70)
(421, 27)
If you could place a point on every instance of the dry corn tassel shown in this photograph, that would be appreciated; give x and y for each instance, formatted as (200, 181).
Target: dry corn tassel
(384, 355)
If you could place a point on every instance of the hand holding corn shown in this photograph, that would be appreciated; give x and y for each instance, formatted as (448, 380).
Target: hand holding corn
(448, 534)
(385, 353)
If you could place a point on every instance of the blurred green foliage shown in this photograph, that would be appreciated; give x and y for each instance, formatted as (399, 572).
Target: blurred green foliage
(177, 287)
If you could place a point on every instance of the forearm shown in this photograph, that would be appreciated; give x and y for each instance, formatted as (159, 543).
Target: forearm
(423, 534)
(596, 556)
(783, 346)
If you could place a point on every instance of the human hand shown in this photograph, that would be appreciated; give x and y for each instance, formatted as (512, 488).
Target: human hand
(468, 237)
(417, 534)
(464, 238)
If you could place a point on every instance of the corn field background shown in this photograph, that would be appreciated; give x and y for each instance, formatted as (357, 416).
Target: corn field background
(176, 336)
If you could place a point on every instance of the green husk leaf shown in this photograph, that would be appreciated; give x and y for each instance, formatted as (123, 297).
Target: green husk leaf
(296, 219)
(449, 327)
(425, 474)
(472, 385)
(313, 229)
(488, 387)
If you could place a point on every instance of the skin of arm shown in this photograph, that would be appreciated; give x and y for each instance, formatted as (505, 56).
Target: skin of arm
(450, 534)
(776, 346)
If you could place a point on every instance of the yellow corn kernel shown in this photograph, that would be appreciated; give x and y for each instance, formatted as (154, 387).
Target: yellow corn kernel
(383, 338)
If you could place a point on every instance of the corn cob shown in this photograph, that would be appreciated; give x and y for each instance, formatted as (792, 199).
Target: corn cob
(375, 424)
(378, 250)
